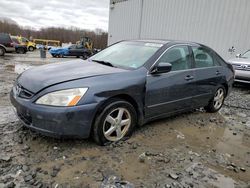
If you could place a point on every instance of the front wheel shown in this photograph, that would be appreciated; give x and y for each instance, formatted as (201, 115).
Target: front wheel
(116, 122)
(31, 48)
(85, 56)
(217, 101)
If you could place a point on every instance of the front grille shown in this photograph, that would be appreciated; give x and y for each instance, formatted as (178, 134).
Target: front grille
(241, 67)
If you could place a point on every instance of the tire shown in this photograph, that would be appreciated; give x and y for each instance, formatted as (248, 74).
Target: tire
(85, 56)
(217, 101)
(107, 126)
(31, 48)
(20, 51)
(2, 51)
(53, 55)
(60, 56)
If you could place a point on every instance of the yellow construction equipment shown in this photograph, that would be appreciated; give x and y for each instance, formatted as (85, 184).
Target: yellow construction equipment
(47, 43)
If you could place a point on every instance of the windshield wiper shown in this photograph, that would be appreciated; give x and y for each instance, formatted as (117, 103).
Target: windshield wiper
(104, 63)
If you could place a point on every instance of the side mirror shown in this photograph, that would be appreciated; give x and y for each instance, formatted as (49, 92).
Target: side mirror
(162, 67)
(238, 55)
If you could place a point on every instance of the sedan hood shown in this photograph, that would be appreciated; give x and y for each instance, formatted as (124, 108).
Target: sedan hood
(239, 61)
(38, 78)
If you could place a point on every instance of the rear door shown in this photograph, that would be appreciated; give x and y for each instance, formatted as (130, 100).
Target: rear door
(171, 92)
(208, 74)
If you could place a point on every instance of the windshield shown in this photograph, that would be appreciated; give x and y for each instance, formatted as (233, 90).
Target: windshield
(127, 54)
(246, 55)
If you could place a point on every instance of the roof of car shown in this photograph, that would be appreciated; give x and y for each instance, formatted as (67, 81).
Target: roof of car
(164, 41)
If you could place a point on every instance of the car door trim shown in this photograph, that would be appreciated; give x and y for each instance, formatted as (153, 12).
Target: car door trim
(169, 102)
(164, 103)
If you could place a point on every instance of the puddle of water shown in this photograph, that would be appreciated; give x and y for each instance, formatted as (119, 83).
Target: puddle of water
(235, 144)
(210, 176)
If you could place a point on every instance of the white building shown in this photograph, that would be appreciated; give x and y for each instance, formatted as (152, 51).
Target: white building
(220, 24)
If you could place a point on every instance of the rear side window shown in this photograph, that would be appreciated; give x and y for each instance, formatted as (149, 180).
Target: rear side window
(5, 38)
(203, 57)
(178, 57)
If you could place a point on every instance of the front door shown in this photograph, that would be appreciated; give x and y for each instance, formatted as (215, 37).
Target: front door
(171, 92)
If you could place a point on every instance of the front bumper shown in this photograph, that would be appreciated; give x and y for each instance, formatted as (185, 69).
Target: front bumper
(242, 76)
(73, 122)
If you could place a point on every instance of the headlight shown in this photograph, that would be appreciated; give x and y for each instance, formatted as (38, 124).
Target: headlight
(69, 97)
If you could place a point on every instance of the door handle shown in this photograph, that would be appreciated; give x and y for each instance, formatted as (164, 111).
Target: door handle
(189, 77)
(218, 72)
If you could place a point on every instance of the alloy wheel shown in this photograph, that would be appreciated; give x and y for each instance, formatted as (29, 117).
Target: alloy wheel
(218, 98)
(116, 124)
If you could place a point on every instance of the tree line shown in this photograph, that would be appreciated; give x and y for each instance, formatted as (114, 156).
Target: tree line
(64, 35)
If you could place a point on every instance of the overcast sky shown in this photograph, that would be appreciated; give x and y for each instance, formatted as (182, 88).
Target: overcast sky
(86, 14)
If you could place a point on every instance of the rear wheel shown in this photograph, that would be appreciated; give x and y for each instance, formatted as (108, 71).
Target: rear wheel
(116, 122)
(2, 51)
(216, 103)
(60, 55)
(31, 48)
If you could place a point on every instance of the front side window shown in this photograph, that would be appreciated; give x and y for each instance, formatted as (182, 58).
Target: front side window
(202, 57)
(178, 57)
(79, 46)
(129, 54)
(72, 46)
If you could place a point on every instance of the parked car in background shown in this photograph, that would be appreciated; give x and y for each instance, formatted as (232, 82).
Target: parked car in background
(127, 84)
(6, 44)
(40, 46)
(31, 46)
(241, 66)
(72, 50)
(20, 48)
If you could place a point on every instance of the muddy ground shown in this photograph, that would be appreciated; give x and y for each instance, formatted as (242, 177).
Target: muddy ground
(195, 149)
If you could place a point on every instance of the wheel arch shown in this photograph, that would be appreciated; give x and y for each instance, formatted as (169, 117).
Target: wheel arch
(225, 85)
(124, 97)
(2, 46)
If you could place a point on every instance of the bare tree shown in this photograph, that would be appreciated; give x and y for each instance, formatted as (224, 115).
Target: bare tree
(64, 35)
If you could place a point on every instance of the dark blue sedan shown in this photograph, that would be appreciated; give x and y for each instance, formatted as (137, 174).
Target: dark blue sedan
(129, 83)
(72, 50)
